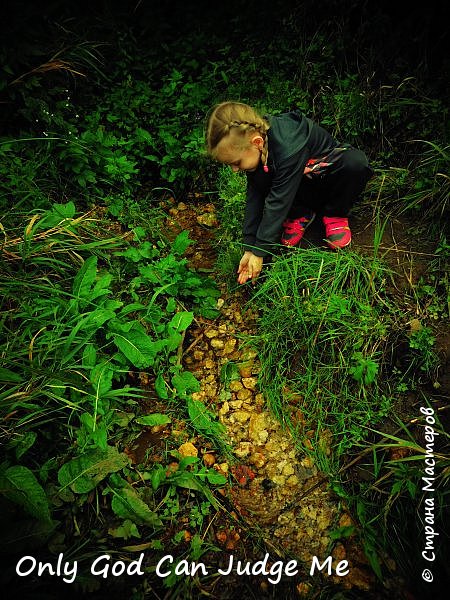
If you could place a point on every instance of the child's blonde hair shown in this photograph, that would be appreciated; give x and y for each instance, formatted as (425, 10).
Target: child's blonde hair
(235, 117)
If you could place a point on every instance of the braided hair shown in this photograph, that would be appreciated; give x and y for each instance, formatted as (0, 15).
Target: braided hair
(237, 118)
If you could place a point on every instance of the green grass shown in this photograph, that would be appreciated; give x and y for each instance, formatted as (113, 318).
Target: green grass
(322, 333)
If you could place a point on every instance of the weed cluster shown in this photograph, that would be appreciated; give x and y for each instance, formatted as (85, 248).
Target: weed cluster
(83, 313)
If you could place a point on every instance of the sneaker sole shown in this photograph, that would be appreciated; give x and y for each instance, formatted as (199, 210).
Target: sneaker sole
(304, 229)
(333, 246)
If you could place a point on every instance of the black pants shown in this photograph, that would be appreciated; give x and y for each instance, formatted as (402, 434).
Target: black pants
(333, 190)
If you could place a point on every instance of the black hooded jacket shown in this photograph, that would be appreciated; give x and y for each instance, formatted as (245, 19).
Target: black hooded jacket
(293, 139)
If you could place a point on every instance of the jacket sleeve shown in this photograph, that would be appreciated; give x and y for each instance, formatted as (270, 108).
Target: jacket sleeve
(254, 208)
(279, 201)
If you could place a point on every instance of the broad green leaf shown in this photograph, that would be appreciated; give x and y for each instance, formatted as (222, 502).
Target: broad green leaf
(126, 530)
(216, 478)
(101, 287)
(202, 418)
(112, 304)
(161, 387)
(185, 383)
(143, 135)
(229, 372)
(89, 323)
(24, 443)
(186, 461)
(139, 233)
(186, 480)
(118, 326)
(171, 305)
(138, 348)
(132, 307)
(19, 485)
(89, 356)
(99, 316)
(127, 504)
(146, 250)
(58, 213)
(189, 481)
(92, 431)
(122, 419)
(83, 473)
(181, 321)
(154, 314)
(9, 376)
(157, 476)
(181, 243)
(65, 211)
(173, 341)
(101, 378)
(132, 253)
(85, 278)
(154, 419)
(199, 414)
(50, 465)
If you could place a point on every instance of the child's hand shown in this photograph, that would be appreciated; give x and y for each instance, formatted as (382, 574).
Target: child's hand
(249, 267)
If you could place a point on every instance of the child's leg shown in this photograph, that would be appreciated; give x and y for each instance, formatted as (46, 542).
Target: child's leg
(337, 190)
(343, 183)
(331, 190)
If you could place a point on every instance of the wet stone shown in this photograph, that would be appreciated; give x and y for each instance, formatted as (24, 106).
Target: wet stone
(188, 449)
(211, 391)
(209, 459)
(224, 409)
(236, 404)
(250, 383)
(241, 416)
(229, 346)
(207, 219)
(217, 343)
(258, 459)
(211, 333)
(243, 449)
(258, 426)
(244, 394)
(288, 470)
(279, 479)
(235, 385)
(292, 481)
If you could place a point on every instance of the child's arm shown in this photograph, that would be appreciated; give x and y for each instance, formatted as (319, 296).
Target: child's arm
(254, 207)
(279, 200)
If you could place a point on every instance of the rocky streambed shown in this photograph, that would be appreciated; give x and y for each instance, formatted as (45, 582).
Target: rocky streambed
(275, 487)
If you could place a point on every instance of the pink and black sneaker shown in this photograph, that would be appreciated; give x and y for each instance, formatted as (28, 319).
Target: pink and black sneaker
(337, 232)
(293, 229)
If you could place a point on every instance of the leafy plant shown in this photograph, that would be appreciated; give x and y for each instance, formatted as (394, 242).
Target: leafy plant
(68, 345)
